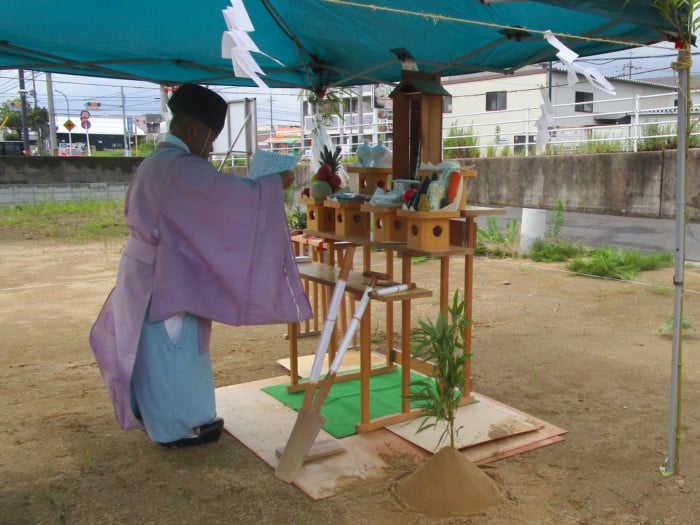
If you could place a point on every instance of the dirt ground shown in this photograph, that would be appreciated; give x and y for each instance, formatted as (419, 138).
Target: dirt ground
(582, 353)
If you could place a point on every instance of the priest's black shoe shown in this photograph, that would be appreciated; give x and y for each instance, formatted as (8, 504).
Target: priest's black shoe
(205, 434)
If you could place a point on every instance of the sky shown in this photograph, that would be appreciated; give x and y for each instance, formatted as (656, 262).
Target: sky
(278, 107)
(73, 92)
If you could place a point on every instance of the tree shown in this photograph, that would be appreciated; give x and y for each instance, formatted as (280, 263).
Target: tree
(37, 119)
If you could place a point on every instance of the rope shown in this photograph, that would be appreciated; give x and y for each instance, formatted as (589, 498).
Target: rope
(683, 63)
(434, 18)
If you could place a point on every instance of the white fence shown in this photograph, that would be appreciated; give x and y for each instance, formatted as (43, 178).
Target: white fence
(645, 122)
(628, 124)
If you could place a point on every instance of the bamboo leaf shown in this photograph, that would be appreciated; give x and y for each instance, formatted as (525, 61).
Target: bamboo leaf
(441, 342)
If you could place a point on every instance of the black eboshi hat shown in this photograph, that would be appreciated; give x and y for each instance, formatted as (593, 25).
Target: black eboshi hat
(200, 103)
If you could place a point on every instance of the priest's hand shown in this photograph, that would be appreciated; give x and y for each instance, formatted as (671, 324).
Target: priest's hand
(287, 178)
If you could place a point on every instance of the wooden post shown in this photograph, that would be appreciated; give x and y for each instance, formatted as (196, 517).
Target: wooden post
(365, 362)
(405, 337)
(444, 283)
(468, 291)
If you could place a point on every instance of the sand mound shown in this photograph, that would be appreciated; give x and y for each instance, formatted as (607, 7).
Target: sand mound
(448, 484)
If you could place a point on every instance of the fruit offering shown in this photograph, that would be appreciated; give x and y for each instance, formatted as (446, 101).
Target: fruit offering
(326, 180)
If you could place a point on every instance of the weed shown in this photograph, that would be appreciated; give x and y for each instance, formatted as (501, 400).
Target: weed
(558, 251)
(62, 508)
(616, 263)
(668, 325)
(89, 462)
(460, 143)
(296, 218)
(491, 233)
(512, 232)
(556, 223)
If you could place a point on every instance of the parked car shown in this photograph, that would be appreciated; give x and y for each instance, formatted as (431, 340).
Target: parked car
(11, 148)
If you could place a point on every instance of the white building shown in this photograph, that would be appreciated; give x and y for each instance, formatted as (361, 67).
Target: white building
(102, 133)
(501, 111)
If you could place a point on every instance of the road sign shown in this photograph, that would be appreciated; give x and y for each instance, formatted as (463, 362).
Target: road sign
(85, 124)
(84, 114)
(69, 125)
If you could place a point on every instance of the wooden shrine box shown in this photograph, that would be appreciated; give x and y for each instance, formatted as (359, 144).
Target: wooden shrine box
(369, 179)
(387, 225)
(350, 220)
(428, 231)
(417, 125)
(318, 217)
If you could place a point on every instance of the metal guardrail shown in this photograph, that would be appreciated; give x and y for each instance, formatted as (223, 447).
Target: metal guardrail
(652, 124)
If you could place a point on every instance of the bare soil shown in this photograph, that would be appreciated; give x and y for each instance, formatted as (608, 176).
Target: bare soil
(584, 354)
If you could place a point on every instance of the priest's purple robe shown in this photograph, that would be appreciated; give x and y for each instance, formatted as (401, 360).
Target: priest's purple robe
(216, 246)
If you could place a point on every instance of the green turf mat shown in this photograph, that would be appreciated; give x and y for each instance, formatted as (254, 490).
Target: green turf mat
(342, 407)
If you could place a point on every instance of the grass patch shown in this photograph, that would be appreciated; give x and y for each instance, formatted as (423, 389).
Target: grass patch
(611, 263)
(616, 263)
(557, 251)
(76, 221)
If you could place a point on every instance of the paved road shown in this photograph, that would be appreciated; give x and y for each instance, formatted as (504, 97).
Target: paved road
(595, 231)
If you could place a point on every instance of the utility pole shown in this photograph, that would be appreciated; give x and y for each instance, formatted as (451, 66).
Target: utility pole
(36, 104)
(271, 123)
(53, 143)
(361, 114)
(25, 120)
(127, 142)
(629, 67)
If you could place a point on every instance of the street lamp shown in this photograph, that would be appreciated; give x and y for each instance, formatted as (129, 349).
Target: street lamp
(70, 139)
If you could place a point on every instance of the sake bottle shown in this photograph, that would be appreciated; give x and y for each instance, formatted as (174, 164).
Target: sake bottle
(364, 154)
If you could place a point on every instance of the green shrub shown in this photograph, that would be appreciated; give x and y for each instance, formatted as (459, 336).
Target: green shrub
(461, 143)
(617, 263)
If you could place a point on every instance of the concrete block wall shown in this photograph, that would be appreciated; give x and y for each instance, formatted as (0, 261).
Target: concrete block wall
(631, 184)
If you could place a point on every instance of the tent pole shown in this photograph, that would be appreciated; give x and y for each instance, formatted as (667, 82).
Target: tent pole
(674, 422)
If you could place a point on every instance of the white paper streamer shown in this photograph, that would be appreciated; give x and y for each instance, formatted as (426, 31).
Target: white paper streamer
(568, 58)
(237, 45)
(544, 122)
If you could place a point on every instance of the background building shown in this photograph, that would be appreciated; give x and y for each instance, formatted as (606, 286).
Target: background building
(104, 133)
(499, 112)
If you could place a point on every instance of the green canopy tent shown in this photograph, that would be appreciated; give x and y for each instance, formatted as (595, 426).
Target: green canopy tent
(317, 44)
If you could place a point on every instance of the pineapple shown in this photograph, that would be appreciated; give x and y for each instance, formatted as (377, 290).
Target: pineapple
(330, 164)
(331, 159)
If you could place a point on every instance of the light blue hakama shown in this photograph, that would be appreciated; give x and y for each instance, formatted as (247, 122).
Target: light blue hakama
(172, 387)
